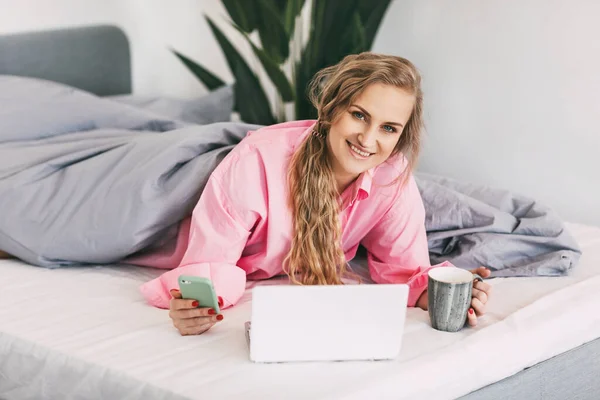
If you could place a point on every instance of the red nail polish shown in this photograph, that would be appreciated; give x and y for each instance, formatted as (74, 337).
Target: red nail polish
(195, 303)
(220, 299)
(219, 317)
(471, 311)
(211, 312)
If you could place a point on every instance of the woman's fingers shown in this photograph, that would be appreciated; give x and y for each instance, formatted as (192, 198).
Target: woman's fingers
(482, 271)
(196, 326)
(194, 321)
(188, 318)
(486, 287)
(183, 304)
(477, 309)
(186, 313)
(481, 295)
(198, 321)
(478, 306)
(196, 330)
(471, 317)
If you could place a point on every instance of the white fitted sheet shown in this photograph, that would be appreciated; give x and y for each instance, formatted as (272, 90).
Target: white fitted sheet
(87, 333)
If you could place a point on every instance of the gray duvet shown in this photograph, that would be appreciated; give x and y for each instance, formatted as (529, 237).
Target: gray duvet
(85, 180)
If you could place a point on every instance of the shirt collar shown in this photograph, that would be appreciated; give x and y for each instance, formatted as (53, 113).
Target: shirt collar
(362, 186)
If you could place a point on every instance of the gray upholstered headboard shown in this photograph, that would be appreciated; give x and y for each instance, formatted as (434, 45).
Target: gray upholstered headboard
(92, 58)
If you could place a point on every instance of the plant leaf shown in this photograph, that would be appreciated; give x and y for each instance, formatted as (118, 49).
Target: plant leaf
(279, 6)
(210, 80)
(371, 14)
(304, 72)
(273, 36)
(355, 42)
(328, 32)
(243, 12)
(327, 45)
(250, 108)
(277, 76)
(251, 100)
(293, 8)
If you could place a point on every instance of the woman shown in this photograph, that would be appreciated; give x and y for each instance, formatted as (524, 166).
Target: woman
(300, 197)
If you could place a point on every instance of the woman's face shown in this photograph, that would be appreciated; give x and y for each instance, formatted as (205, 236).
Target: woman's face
(365, 134)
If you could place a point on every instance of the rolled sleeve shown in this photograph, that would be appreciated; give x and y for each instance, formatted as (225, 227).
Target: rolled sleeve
(228, 280)
(219, 231)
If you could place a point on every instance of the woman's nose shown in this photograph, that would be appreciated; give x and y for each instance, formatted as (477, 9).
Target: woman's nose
(367, 138)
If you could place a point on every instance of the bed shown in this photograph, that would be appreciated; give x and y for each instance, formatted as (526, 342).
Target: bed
(85, 332)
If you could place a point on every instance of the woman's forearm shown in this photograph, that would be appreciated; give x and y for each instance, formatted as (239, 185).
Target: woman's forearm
(423, 301)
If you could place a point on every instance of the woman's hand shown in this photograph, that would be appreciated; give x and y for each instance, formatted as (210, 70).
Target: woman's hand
(480, 296)
(188, 318)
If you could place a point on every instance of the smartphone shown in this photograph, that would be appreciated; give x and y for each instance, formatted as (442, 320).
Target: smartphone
(201, 289)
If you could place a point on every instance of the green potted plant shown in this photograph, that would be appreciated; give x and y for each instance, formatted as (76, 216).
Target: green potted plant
(336, 28)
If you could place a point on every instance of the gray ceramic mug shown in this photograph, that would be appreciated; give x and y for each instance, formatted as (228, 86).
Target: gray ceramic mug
(449, 295)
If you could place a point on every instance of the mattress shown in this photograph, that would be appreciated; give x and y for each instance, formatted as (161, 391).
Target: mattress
(87, 333)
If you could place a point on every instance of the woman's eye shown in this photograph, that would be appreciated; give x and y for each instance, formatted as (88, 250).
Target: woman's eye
(389, 129)
(358, 115)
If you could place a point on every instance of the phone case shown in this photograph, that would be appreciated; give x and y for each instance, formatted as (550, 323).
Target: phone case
(198, 288)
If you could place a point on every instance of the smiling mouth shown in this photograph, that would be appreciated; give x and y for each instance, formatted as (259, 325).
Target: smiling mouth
(358, 152)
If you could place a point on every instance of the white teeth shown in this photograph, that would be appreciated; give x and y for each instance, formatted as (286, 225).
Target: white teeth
(362, 153)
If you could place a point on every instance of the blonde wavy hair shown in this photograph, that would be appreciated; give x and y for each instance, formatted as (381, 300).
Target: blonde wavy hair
(316, 256)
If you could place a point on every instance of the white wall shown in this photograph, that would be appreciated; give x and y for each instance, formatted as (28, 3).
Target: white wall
(512, 88)
(512, 94)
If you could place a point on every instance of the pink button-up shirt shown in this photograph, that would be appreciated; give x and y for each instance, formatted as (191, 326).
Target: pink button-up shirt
(241, 227)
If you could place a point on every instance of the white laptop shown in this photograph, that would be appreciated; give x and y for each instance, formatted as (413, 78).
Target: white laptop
(326, 323)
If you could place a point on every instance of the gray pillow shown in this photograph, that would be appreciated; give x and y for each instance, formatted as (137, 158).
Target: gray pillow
(216, 106)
